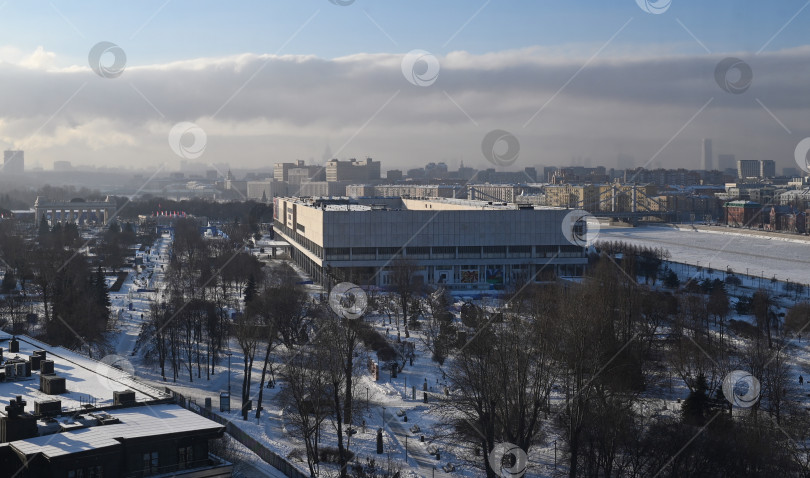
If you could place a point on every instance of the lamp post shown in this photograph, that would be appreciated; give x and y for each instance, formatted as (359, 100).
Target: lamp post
(229, 371)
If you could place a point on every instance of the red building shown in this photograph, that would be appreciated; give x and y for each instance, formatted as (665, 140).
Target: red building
(743, 214)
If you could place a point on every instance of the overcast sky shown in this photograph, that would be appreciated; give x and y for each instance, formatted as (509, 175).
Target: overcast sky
(271, 81)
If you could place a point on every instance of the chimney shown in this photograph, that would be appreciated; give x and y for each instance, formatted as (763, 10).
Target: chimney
(17, 425)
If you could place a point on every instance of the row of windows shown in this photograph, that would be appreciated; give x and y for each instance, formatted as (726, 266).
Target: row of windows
(303, 241)
(496, 275)
(150, 464)
(444, 252)
(96, 471)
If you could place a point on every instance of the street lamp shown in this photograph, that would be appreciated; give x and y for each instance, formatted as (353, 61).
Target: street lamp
(229, 371)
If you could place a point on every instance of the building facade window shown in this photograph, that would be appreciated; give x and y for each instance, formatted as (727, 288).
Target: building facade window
(150, 462)
(337, 254)
(444, 252)
(185, 457)
(364, 253)
(494, 251)
(388, 252)
(520, 251)
(418, 252)
(469, 252)
(545, 251)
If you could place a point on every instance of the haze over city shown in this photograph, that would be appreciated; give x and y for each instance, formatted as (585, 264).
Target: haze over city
(278, 81)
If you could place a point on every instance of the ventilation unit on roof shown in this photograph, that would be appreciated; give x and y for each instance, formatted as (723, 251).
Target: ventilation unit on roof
(124, 397)
(35, 361)
(46, 367)
(48, 408)
(52, 384)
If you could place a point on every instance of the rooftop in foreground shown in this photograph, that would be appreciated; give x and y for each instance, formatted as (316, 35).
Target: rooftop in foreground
(88, 382)
(137, 422)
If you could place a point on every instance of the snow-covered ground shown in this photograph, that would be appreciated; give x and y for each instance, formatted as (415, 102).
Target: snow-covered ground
(786, 257)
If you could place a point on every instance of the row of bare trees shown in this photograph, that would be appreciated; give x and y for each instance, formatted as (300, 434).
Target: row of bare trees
(187, 329)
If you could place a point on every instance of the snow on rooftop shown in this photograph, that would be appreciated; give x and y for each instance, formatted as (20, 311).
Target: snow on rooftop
(137, 422)
(347, 207)
(87, 380)
(64, 443)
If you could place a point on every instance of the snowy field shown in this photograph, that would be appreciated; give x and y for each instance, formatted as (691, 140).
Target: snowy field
(788, 257)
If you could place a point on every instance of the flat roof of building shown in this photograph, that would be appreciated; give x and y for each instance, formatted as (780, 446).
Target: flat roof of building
(137, 422)
(86, 380)
(407, 203)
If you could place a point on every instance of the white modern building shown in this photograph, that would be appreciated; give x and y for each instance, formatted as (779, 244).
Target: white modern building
(265, 190)
(752, 168)
(706, 159)
(460, 244)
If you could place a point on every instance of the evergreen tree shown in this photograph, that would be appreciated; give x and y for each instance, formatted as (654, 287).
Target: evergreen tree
(9, 281)
(102, 292)
(250, 289)
(671, 280)
(696, 409)
(44, 228)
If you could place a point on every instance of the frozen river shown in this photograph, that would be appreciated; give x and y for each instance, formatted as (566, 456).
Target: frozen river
(786, 257)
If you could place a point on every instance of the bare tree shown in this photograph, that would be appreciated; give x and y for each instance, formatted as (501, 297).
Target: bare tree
(280, 308)
(761, 305)
(405, 283)
(501, 380)
(248, 336)
(306, 394)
